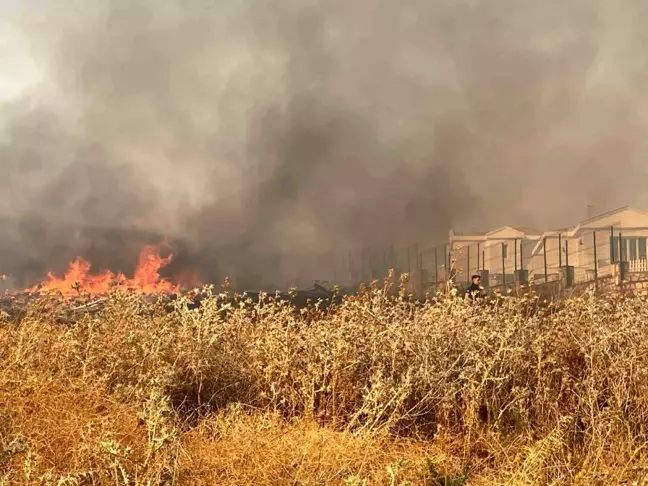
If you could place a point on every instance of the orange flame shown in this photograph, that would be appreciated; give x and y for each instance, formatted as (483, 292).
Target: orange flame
(146, 280)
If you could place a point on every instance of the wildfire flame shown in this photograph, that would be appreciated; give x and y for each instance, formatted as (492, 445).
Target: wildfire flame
(146, 279)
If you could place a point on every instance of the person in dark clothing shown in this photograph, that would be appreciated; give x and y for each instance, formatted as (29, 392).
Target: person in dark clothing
(475, 291)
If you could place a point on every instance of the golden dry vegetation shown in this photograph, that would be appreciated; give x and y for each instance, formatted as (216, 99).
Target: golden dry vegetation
(377, 390)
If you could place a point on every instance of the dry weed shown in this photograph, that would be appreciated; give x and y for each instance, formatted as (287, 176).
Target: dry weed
(380, 389)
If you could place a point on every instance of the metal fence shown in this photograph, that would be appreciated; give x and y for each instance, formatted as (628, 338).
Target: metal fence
(586, 255)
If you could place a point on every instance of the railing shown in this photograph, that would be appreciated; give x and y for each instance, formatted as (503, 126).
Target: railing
(638, 265)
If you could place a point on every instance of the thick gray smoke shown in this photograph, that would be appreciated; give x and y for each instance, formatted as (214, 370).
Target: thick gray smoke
(272, 135)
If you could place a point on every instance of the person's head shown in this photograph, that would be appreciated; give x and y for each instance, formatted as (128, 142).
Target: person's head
(476, 279)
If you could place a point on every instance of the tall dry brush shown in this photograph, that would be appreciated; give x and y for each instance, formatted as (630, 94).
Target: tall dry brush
(540, 393)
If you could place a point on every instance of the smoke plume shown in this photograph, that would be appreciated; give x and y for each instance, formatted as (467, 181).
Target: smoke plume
(268, 137)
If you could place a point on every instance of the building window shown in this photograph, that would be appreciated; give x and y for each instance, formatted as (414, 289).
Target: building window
(633, 243)
(637, 250)
(617, 252)
(633, 248)
(504, 250)
(642, 248)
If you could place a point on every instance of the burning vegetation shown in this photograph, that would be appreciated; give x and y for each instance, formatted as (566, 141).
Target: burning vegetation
(146, 279)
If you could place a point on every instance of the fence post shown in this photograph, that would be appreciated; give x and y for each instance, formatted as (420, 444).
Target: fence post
(515, 268)
(446, 273)
(394, 259)
(387, 258)
(503, 269)
(567, 253)
(544, 250)
(559, 250)
(385, 270)
(478, 252)
(446, 252)
(595, 262)
(612, 246)
(521, 257)
(621, 263)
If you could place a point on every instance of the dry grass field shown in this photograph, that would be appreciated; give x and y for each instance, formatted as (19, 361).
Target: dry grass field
(377, 390)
